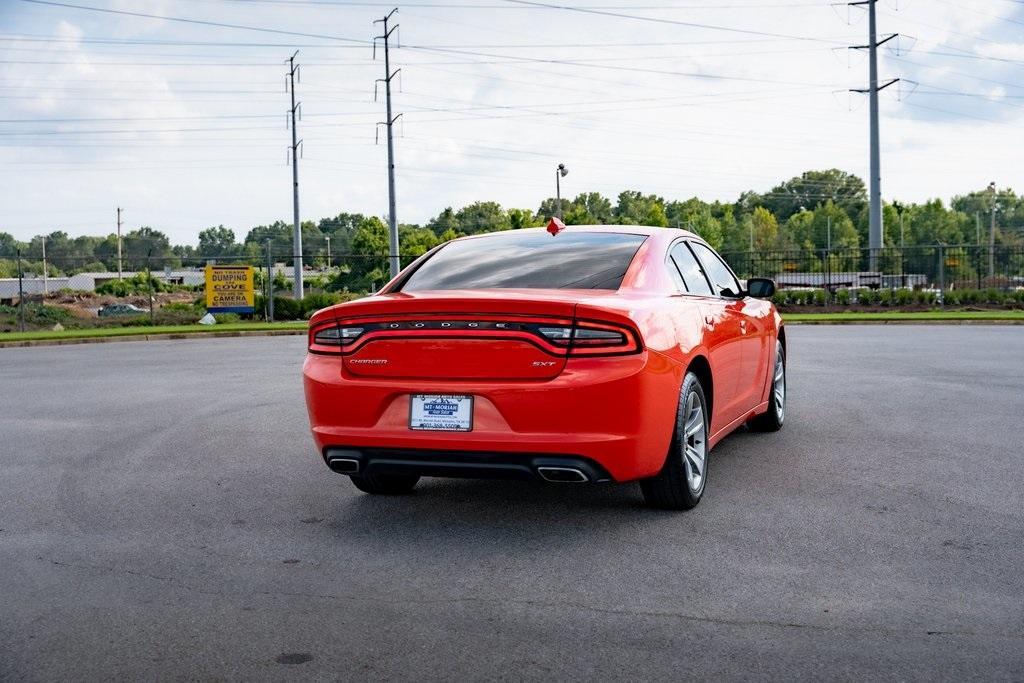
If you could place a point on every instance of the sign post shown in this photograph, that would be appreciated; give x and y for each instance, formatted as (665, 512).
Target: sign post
(229, 289)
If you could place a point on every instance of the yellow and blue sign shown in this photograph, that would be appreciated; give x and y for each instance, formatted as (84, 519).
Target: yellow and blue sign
(229, 289)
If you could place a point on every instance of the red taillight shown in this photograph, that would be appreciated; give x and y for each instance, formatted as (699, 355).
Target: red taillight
(556, 336)
(592, 338)
(332, 337)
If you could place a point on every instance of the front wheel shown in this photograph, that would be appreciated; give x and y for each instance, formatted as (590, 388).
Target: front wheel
(680, 484)
(773, 419)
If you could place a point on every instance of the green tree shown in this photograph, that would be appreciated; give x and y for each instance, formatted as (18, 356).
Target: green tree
(147, 247)
(482, 217)
(218, 241)
(281, 238)
(813, 188)
(368, 263)
(444, 221)
(415, 242)
(765, 228)
(634, 208)
(521, 218)
(931, 223)
(696, 216)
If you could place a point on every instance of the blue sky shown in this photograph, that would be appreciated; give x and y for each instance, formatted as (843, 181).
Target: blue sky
(183, 123)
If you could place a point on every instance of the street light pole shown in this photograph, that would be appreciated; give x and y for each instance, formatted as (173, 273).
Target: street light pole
(328, 252)
(560, 173)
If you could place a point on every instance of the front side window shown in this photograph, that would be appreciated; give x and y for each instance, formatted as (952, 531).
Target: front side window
(693, 275)
(529, 260)
(721, 277)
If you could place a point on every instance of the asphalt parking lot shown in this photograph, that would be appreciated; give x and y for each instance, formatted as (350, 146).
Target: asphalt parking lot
(163, 515)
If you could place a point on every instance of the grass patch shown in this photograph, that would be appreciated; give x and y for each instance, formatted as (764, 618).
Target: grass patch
(93, 332)
(908, 316)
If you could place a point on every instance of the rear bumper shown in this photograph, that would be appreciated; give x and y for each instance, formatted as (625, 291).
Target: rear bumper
(613, 415)
(471, 464)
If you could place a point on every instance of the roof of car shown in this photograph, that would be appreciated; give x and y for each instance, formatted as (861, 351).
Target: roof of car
(627, 229)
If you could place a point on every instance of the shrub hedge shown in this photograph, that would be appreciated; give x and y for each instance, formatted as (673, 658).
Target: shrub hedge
(286, 308)
(898, 298)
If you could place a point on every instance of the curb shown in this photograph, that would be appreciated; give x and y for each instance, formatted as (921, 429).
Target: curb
(149, 337)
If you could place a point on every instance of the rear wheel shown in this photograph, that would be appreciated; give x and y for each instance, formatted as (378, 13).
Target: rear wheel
(385, 484)
(680, 484)
(773, 419)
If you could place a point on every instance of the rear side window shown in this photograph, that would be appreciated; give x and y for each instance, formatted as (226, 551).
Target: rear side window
(721, 277)
(692, 273)
(529, 260)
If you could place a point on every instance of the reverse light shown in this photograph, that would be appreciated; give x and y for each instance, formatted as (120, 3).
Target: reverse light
(556, 334)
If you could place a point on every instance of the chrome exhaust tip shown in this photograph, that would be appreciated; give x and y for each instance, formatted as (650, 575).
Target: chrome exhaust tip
(562, 475)
(343, 465)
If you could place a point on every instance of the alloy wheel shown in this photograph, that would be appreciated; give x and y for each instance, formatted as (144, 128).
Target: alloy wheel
(694, 442)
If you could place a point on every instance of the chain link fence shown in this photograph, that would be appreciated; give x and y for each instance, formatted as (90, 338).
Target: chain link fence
(939, 267)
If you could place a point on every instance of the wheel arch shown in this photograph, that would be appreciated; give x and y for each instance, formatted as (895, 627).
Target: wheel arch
(700, 367)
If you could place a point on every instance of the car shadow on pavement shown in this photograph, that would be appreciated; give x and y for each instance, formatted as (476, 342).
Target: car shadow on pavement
(499, 516)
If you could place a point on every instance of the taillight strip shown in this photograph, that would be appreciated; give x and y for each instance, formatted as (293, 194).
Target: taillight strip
(557, 336)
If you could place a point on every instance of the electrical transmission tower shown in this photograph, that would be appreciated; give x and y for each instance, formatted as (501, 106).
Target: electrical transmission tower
(393, 258)
(295, 112)
(875, 227)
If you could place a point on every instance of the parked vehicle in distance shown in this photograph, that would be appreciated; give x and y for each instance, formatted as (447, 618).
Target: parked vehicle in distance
(582, 354)
(119, 309)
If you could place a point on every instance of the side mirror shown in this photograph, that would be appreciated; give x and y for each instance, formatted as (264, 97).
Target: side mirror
(760, 287)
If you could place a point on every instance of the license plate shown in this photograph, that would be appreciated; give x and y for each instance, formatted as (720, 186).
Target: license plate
(440, 413)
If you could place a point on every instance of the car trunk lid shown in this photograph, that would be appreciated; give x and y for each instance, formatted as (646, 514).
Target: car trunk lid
(453, 335)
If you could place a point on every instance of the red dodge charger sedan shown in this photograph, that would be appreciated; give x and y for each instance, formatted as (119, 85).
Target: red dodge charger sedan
(581, 354)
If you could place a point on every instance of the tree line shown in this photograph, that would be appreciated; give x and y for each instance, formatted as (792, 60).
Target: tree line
(814, 211)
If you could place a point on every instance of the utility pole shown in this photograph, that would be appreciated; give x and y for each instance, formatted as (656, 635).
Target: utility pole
(992, 232)
(270, 285)
(875, 228)
(21, 296)
(328, 252)
(299, 290)
(394, 257)
(120, 275)
(45, 289)
(149, 282)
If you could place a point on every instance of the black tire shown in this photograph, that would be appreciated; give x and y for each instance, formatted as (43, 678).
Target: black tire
(385, 484)
(671, 488)
(772, 420)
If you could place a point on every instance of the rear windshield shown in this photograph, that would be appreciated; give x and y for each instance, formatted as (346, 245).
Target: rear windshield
(529, 260)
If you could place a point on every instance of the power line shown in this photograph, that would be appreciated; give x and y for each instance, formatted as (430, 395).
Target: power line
(674, 22)
(201, 22)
